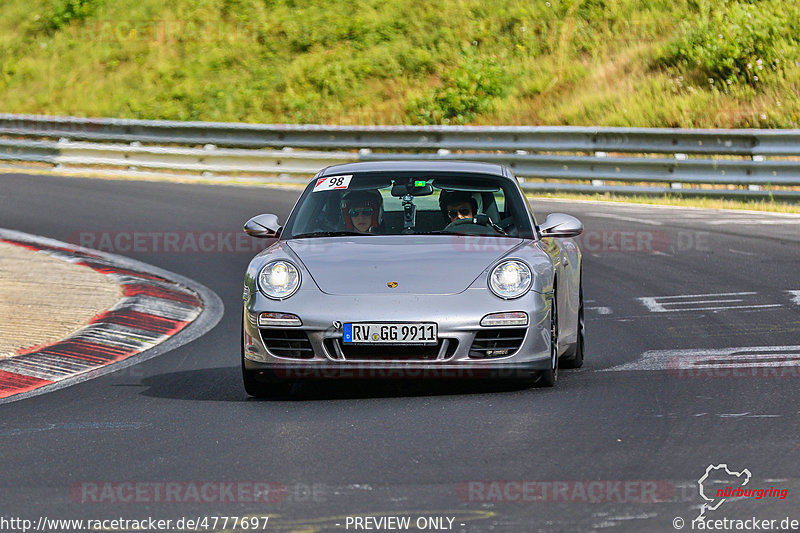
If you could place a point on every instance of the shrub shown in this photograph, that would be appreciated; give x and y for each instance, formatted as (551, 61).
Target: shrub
(734, 43)
(65, 11)
(467, 91)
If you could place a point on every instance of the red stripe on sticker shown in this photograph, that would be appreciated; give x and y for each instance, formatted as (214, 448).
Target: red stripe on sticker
(11, 383)
(143, 321)
(136, 289)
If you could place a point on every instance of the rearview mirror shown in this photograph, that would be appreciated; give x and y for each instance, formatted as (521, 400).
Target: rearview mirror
(413, 187)
(561, 226)
(262, 226)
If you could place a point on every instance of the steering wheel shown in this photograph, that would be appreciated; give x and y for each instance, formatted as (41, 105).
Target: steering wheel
(480, 225)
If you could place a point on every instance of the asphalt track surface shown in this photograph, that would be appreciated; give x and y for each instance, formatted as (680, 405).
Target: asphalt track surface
(488, 456)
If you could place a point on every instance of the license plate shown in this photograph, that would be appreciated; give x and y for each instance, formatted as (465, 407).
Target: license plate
(383, 333)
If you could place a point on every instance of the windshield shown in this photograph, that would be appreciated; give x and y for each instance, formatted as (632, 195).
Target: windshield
(409, 204)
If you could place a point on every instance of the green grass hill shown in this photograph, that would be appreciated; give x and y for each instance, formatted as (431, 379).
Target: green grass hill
(648, 63)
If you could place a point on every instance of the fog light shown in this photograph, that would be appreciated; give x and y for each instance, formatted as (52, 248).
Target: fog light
(279, 319)
(516, 318)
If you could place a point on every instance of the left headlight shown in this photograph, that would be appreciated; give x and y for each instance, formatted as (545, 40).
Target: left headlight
(279, 279)
(510, 279)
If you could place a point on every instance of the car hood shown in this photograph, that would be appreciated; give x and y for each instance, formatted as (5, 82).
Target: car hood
(431, 264)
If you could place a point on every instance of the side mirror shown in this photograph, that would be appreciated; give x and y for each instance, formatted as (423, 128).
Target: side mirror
(561, 226)
(262, 226)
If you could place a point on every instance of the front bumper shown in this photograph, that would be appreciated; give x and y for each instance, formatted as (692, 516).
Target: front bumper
(466, 350)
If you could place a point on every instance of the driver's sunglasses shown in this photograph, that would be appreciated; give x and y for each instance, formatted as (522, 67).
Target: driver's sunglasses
(364, 212)
(463, 211)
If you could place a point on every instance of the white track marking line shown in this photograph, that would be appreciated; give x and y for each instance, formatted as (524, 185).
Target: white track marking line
(765, 306)
(731, 250)
(737, 357)
(693, 302)
(704, 295)
(690, 302)
(652, 305)
(626, 219)
(746, 415)
(795, 297)
(720, 308)
(749, 222)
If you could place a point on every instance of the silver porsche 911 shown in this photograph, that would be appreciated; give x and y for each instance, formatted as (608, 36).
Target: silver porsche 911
(412, 270)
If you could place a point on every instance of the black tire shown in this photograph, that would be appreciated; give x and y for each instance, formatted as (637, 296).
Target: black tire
(549, 377)
(253, 387)
(260, 389)
(576, 359)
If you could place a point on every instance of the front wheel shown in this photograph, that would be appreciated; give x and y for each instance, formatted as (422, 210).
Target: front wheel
(549, 377)
(576, 359)
(259, 389)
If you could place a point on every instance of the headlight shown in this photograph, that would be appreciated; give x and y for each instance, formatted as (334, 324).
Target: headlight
(510, 279)
(279, 279)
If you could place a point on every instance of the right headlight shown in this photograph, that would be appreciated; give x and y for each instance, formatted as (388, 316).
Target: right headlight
(279, 279)
(510, 279)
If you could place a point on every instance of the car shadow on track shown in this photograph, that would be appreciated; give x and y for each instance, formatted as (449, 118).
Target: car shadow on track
(225, 385)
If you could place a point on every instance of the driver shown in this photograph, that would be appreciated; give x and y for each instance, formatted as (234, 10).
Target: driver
(457, 205)
(362, 210)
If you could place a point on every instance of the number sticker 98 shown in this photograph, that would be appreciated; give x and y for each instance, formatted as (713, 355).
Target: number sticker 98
(332, 183)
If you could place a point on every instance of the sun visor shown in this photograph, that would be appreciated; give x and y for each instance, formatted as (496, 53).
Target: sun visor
(464, 185)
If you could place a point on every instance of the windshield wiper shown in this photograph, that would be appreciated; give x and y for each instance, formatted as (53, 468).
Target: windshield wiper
(326, 234)
(462, 233)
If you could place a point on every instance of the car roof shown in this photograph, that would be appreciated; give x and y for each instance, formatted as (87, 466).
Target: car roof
(463, 167)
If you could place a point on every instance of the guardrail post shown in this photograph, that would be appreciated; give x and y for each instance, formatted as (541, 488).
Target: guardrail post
(599, 183)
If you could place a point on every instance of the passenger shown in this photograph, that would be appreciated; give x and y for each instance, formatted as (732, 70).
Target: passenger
(362, 211)
(456, 205)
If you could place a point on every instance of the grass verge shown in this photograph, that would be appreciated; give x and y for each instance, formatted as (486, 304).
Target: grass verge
(642, 63)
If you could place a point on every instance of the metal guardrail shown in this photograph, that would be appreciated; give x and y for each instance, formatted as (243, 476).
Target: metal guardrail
(226, 148)
(698, 171)
(507, 138)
